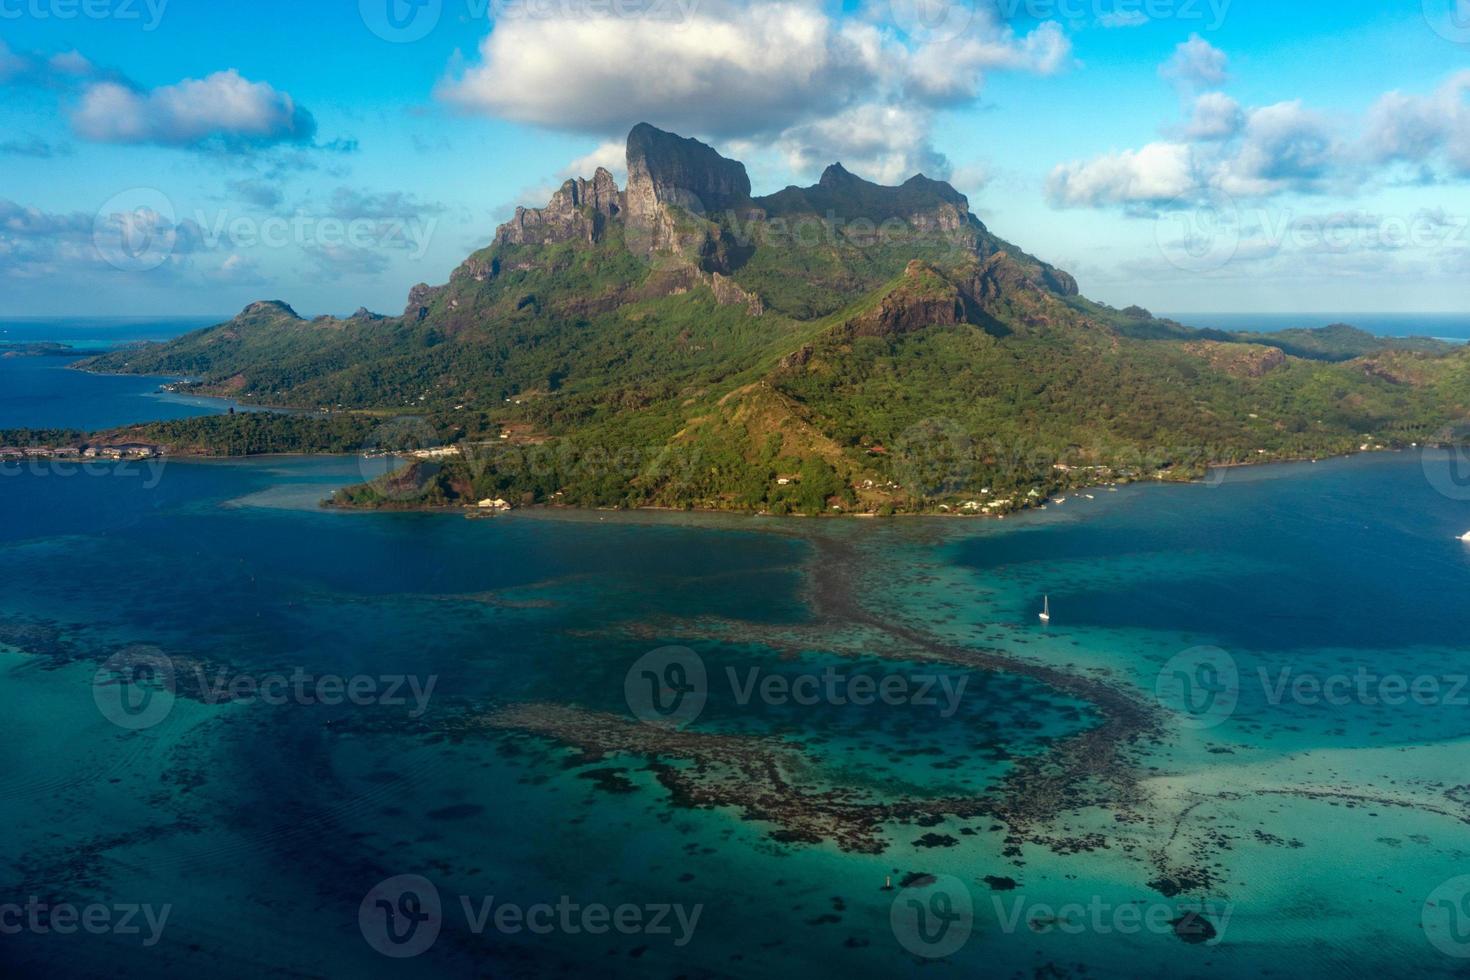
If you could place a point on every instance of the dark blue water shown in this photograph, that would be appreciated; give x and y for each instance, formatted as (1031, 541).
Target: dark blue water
(42, 392)
(1447, 326)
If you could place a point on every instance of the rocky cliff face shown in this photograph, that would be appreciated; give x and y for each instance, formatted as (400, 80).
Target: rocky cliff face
(673, 182)
(579, 211)
(664, 169)
(680, 196)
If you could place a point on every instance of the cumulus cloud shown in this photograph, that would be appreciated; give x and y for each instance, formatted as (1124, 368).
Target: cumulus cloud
(33, 242)
(1216, 117)
(222, 108)
(1157, 172)
(236, 270)
(1265, 151)
(42, 245)
(954, 72)
(721, 75)
(1285, 147)
(611, 155)
(881, 142)
(1418, 129)
(71, 63)
(1196, 64)
(1279, 148)
(972, 177)
(63, 71)
(772, 72)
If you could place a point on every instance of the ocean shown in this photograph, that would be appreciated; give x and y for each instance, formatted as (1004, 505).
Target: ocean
(275, 739)
(41, 392)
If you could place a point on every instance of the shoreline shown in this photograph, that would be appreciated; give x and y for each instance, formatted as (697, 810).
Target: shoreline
(1043, 503)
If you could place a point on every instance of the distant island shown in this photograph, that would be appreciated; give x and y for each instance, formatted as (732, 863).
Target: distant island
(844, 347)
(12, 349)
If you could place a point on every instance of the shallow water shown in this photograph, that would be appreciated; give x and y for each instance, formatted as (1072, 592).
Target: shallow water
(1319, 830)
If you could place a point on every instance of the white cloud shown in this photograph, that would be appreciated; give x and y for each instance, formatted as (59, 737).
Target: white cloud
(71, 63)
(1216, 117)
(236, 270)
(611, 156)
(1158, 172)
(971, 178)
(785, 73)
(1285, 147)
(1416, 129)
(224, 106)
(773, 65)
(41, 245)
(883, 143)
(1196, 64)
(954, 72)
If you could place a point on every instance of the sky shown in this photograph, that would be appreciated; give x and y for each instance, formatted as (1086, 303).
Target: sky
(187, 157)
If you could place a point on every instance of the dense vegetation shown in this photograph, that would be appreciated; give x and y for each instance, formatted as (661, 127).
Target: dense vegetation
(845, 346)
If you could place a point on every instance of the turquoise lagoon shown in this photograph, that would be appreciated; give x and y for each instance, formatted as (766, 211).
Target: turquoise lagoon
(1313, 835)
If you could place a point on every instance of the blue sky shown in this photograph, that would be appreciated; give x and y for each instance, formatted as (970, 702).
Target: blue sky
(190, 156)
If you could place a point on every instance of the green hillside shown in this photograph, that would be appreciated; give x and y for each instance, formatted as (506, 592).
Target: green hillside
(844, 346)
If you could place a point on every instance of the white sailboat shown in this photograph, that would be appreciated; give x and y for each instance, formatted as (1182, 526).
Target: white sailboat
(1465, 537)
(1046, 610)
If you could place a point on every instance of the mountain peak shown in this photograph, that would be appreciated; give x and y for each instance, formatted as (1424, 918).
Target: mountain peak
(835, 176)
(268, 307)
(664, 168)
